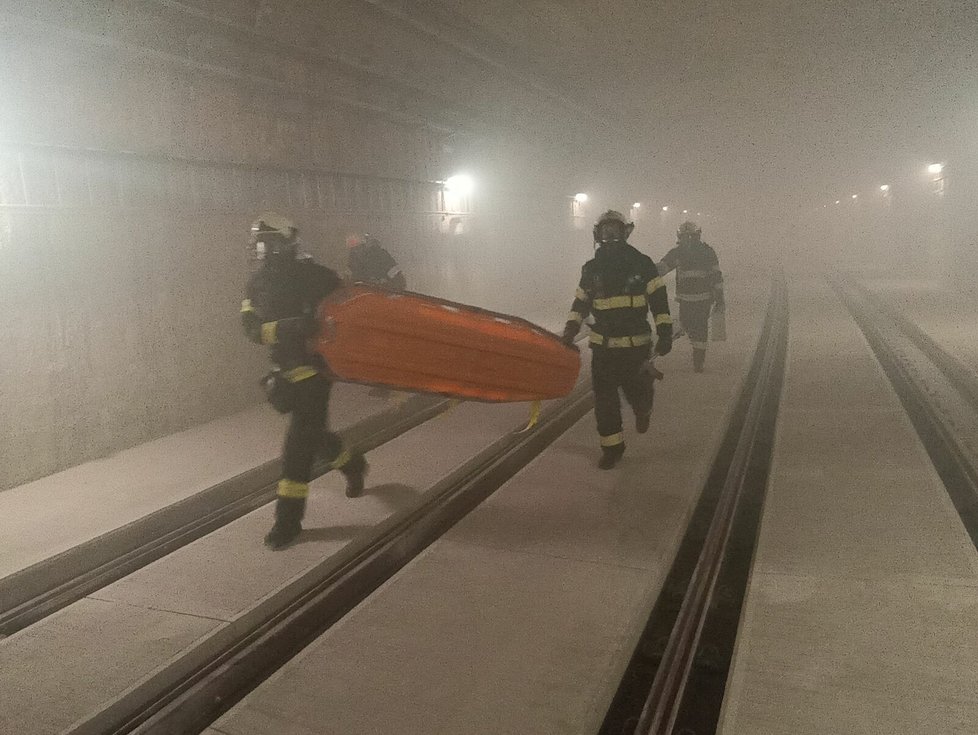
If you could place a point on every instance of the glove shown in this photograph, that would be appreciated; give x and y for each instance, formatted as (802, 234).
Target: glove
(663, 346)
(570, 332)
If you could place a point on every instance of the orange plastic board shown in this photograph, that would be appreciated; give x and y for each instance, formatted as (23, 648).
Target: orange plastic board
(419, 343)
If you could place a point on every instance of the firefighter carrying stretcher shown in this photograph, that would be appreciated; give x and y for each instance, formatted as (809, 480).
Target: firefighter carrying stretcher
(280, 311)
(619, 286)
(369, 262)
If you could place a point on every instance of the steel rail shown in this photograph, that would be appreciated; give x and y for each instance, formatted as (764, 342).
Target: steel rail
(666, 694)
(956, 465)
(49, 585)
(197, 687)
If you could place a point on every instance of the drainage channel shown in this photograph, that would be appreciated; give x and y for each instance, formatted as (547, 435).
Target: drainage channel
(206, 683)
(936, 391)
(676, 678)
(44, 588)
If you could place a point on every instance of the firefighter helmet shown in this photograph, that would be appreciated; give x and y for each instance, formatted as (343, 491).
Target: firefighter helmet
(273, 235)
(612, 217)
(688, 231)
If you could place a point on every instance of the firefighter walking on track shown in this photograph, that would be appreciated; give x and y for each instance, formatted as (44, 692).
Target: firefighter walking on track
(699, 287)
(619, 286)
(280, 311)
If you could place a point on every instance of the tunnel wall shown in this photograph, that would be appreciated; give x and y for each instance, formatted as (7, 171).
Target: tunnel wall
(138, 141)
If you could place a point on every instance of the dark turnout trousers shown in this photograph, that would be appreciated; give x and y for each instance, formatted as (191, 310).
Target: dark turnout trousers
(695, 318)
(611, 369)
(307, 437)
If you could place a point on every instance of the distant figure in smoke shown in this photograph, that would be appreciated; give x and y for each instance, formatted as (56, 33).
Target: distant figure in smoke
(280, 311)
(699, 286)
(371, 263)
(620, 286)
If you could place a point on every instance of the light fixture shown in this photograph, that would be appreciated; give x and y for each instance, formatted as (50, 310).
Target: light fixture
(935, 168)
(637, 205)
(855, 196)
(665, 208)
(580, 197)
(885, 187)
(460, 184)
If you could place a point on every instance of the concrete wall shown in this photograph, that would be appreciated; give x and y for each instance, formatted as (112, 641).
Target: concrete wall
(139, 139)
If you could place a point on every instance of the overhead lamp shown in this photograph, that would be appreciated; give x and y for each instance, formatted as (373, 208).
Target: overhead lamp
(637, 205)
(884, 187)
(935, 168)
(665, 208)
(580, 197)
(460, 184)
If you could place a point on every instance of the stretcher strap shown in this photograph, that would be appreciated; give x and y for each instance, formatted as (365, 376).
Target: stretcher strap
(451, 405)
(534, 417)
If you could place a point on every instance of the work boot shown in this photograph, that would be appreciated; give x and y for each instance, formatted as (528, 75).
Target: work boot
(288, 522)
(642, 421)
(699, 358)
(610, 456)
(355, 471)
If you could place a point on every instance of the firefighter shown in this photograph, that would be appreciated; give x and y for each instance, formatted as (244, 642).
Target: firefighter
(371, 263)
(699, 286)
(619, 286)
(280, 311)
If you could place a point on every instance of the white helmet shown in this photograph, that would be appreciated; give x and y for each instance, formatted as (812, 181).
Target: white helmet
(612, 216)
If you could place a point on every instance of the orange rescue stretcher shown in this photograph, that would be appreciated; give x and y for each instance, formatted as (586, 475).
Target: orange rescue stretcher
(422, 344)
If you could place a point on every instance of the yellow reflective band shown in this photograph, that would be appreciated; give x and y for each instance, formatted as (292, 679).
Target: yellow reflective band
(613, 440)
(292, 489)
(246, 306)
(581, 294)
(694, 296)
(341, 459)
(299, 373)
(654, 285)
(636, 341)
(663, 319)
(575, 317)
(620, 302)
(268, 330)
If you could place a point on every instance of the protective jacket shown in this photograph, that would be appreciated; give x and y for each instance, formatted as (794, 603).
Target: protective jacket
(620, 286)
(371, 263)
(280, 310)
(698, 274)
